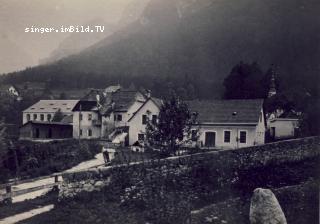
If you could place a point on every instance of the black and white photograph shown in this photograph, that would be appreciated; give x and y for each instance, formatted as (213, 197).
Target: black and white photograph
(159, 111)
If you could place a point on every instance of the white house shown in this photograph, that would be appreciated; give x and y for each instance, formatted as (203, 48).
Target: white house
(86, 120)
(149, 110)
(229, 123)
(284, 126)
(105, 114)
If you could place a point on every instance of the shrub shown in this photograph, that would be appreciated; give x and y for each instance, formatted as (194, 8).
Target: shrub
(36, 158)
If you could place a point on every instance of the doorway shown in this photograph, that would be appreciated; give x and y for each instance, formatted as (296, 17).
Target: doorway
(210, 139)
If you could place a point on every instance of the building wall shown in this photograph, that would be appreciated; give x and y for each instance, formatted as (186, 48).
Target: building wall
(234, 136)
(135, 125)
(86, 124)
(25, 120)
(284, 128)
(109, 123)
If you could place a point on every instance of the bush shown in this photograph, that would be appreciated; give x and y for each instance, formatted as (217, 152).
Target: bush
(37, 159)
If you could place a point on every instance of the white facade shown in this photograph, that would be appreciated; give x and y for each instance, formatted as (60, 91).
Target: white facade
(281, 128)
(231, 136)
(38, 116)
(118, 119)
(137, 128)
(86, 125)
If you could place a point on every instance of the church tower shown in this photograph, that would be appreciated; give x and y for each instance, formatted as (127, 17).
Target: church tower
(272, 90)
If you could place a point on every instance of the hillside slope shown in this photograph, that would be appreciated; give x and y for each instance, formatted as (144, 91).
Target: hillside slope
(201, 40)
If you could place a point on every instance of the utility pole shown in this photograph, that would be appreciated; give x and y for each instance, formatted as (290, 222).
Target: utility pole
(80, 117)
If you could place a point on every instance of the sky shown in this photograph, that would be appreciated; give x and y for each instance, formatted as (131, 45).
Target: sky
(19, 49)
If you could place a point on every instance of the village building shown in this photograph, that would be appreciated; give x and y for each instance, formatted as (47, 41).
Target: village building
(86, 120)
(44, 110)
(226, 124)
(48, 119)
(105, 113)
(284, 126)
(148, 111)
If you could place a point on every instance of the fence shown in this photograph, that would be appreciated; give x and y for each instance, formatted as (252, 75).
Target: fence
(10, 193)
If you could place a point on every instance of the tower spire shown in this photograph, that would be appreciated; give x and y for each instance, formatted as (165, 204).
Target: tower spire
(272, 90)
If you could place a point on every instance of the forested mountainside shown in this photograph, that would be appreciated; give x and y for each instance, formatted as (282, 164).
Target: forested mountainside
(193, 45)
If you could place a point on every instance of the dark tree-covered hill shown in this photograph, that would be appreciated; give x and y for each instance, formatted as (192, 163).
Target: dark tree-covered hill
(199, 41)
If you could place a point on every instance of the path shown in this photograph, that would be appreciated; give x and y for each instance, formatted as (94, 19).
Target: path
(26, 215)
(97, 161)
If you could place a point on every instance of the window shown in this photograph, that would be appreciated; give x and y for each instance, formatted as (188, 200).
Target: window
(114, 117)
(119, 117)
(141, 137)
(42, 117)
(80, 117)
(243, 137)
(34, 117)
(194, 135)
(154, 119)
(89, 117)
(49, 117)
(89, 132)
(227, 135)
(144, 119)
(28, 117)
(80, 132)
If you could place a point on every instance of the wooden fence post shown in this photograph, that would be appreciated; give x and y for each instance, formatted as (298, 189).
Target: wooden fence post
(8, 191)
(56, 181)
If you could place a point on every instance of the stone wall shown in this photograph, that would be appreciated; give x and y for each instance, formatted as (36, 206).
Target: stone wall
(244, 158)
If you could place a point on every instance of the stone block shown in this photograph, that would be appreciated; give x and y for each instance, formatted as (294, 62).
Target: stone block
(265, 208)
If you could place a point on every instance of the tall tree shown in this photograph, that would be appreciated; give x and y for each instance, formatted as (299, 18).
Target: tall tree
(173, 127)
(3, 142)
(58, 116)
(243, 82)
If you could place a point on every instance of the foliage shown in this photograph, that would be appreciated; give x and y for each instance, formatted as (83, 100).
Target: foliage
(58, 116)
(310, 120)
(37, 159)
(3, 143)
(173, 127)
(243, 82)
(278, 101)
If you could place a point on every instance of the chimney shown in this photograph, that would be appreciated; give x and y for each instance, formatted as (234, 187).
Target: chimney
(148, 94)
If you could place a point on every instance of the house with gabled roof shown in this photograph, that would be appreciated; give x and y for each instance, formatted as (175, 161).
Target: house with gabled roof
(229, 123)
(148, 111)
(105, 113)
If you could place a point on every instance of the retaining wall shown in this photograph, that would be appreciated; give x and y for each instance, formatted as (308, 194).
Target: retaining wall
(244, 158)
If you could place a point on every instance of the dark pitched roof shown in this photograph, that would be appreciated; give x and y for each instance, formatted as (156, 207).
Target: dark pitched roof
(85, 105)
(227, 111)
(119, 101)
(123, 99)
